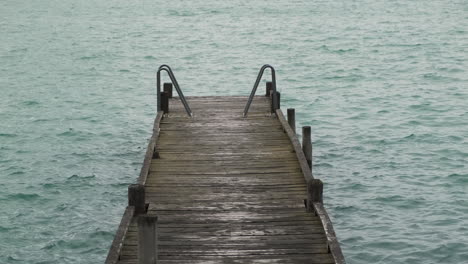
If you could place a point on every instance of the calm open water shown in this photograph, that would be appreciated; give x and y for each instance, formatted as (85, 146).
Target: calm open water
(383, 84)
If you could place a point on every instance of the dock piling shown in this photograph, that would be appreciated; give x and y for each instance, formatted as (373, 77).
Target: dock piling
(168, 89)
(136, 198)
(292, 119)
(275, 101)
(278, 100)
(165, 102)
(314, 193)
(307, 145)
(147, 239)
(269, 86)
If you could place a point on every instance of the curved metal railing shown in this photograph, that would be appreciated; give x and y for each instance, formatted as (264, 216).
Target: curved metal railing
(257, 82)
(168, 69)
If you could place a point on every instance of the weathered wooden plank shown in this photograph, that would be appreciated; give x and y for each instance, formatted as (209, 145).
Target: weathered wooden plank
(333, 245)
(228, 189)
(119, 238)
(296, 145)
(150, 150)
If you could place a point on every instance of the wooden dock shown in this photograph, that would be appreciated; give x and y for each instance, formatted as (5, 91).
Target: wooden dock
(222, 188)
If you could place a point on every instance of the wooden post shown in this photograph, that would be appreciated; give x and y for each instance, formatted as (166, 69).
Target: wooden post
(156, 154)
(292, 119)
(314, 193)
(168, 89)
(275, 101)
(147, 239)
(165, 102)
(136, 198)
(269, 85)
(307, 145)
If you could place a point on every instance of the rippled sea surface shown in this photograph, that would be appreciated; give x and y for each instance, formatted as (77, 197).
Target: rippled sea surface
(384, 85)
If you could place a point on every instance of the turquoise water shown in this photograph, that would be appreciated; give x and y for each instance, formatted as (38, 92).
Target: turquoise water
(383, 84)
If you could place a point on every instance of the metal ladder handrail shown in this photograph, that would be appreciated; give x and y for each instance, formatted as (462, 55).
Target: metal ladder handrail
(168, 69)
(257, 82)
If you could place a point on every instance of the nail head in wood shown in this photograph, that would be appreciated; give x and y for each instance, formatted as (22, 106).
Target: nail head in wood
(136, 198)
(292, 119)
(314, 193)
(307, 144)
(168, 89)
(147, 239)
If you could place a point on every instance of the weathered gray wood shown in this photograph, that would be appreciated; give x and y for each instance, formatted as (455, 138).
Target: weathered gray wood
(333, 244)
(307, 144)
(136, 198)
(119, 238)
(277, 100)
(147, 239)
(165, 102)
(167, 87)
(269, 86)
(314, 193)
(292, 119)
(228, 189)
(306, 171)
(150, 149)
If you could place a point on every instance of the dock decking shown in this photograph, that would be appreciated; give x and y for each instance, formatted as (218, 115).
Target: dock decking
(227, 189)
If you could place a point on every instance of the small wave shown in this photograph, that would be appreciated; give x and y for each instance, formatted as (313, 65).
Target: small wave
(392, 245)
(458, 178)
(88, 57)
(323, 164)
(391, 198)
(24, 196)
(455, 138)
(19, 50)
(5, 229)
(345, 208)
(181, 13)
(30, 103)
(351, 77)
(40, 120)
(437, 77)
(17, 173)
(76, 177)
(49, 185)
(68, 133)
(149, 57)
(8, 135)
(101, 234)
(451, 70)
(336, 51)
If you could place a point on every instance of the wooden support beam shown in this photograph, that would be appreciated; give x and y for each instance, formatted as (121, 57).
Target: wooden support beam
(168, 89)
(314, 193)
(147, 239)
(307, 145)
(136, 198)
(269, 86)
(292, 119)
